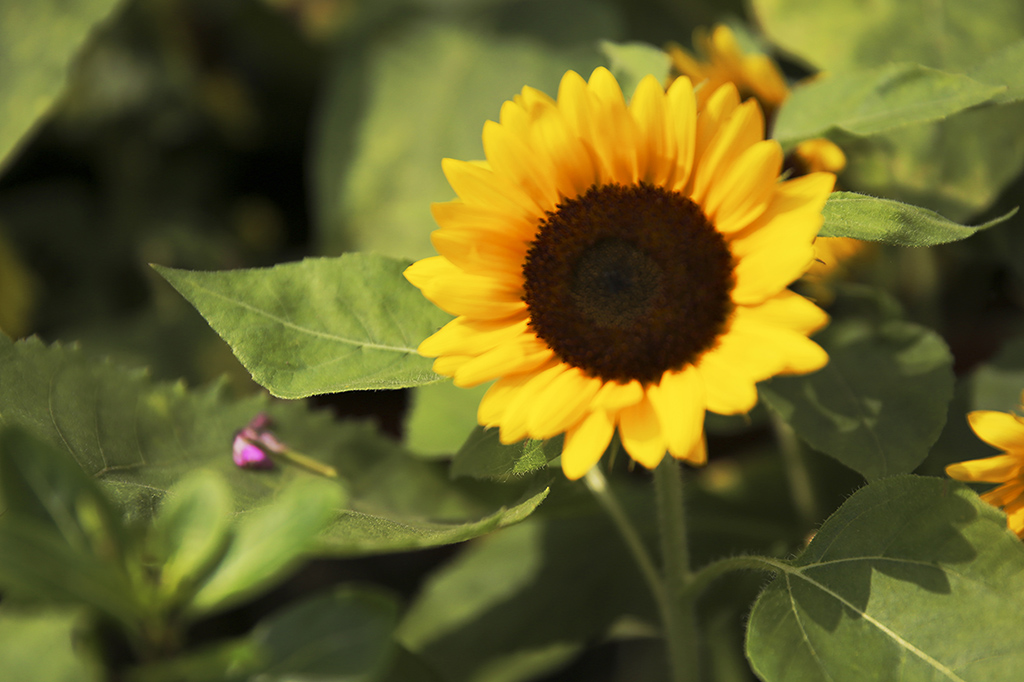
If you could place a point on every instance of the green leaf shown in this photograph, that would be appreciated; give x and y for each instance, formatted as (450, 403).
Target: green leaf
(38, 42)
(270, 542)
(483, 455)
(139, 438)
(440, 416)
(881, 401)
(321, 325)
(38, 565)
(836, 35)
(345, 635)
(891, 222)
(1004, 67)
(191, 531)
(427, 89)
(524, 601)
(913, 578)
(357, 533)
(631, 62)
(866, 102)
(40, 483)
(39, 645)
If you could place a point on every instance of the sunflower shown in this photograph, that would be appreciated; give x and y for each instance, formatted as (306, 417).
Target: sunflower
(622, 267)
(1005, 432)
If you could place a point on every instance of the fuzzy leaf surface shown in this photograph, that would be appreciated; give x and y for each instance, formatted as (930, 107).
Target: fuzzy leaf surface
(321, 325)
(878, 589)
(848, 214)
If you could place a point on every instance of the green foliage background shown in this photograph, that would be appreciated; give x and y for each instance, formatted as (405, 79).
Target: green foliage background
(244, 146)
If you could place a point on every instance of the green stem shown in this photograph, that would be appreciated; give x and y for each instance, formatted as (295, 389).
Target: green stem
(598, 485)
(800, 486)
(706, 575)
(680, 617)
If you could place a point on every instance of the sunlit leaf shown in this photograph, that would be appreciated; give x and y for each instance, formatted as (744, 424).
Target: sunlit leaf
(848, 214)
(321, 325)
(837, 35)
(915, 577)
(38, 42)
(866, 102)
(39, 645)
(880, 402)
(1005, 67)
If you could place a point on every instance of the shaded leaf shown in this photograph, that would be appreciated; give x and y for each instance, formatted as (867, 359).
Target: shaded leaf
(38, 42)
(38, 645)
(440, 417)
(427, 88)
(892, 222)
(880, 586)
(139, 438)
(631, 62)
(343, 635)
(321, 325)
(881, 401)
(866, 102)
(357, 532)
(483, 455)
(269, 542)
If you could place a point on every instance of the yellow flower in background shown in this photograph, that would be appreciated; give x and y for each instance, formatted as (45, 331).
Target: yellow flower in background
(723, 61)
(623, 267)
(1005, 432)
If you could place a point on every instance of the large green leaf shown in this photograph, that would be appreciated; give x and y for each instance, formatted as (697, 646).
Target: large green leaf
(848, 214)
(483, 455)
(39, 645)
(321, 325)
(427, 88)
(880, 402)
(139, 438)
(1005, 67)
(836, 34)
(38, 42)
(866, 102)
(912, 579)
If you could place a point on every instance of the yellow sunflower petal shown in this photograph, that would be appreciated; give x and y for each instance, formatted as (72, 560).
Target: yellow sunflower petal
(996, 469)
(574, 167)
(525, 353)
(1005, 494)
(681, 130)
(585, 444)
(656, 155)
(514, 425)
(459, 293)
(465, 335)
(727, 390)
(563, 404)
(641, 433)
(479, 186)
(746, 189)
(516, 162)
(789, 310)
(998, 429)
(678, 401)
(720, 106)
(485, 221)
(615, 134)
(741, 130)
(614, 396)
(496, 255)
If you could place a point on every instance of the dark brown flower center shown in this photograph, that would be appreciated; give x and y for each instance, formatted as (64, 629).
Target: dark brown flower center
(627, 282)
